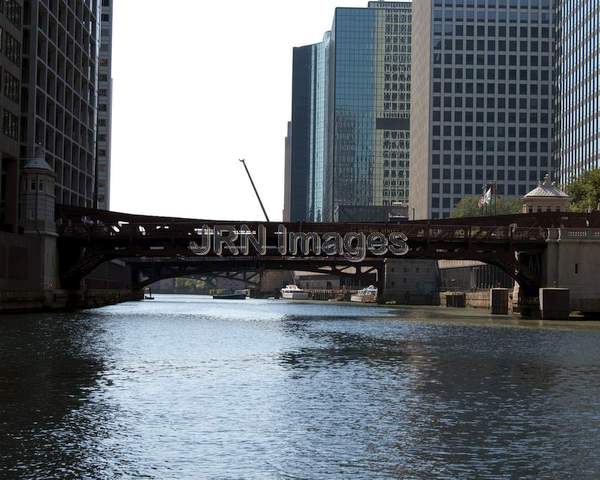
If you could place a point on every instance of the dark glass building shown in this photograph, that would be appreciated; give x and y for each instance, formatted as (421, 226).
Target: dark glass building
(308, 139)
(369, 138)
(300, 134)
(350, 113)
(577, 101)
(482, 106)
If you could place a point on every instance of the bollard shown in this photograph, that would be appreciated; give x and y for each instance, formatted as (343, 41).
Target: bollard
(456, 300)
(499, 301)
(555, 303)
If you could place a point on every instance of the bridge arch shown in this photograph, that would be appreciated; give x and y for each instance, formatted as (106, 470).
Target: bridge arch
(147, 273)
(514, 243)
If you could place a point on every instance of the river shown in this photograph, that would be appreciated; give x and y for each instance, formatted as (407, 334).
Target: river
(187, 387)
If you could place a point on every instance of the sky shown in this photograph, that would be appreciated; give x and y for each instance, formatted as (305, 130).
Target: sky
(197, 86)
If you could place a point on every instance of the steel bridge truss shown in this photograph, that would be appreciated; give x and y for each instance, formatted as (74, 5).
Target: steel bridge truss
(159, 247)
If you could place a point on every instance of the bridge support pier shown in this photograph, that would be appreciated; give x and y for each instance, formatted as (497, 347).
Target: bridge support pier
(380, 284)
(526, 302)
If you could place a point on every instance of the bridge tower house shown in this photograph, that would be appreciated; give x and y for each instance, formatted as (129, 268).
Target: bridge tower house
(37, 198)
(37, 217)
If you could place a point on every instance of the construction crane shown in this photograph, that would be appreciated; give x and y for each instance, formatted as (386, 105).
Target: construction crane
(255, 190)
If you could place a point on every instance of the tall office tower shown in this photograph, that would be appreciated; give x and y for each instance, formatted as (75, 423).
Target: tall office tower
(298, 170)
(577, 104)
(308, 147)
(60, 79)
(11, 17)
(482, 99)
(103, 147)
(369, 107)
(351, 113)
(287, 175)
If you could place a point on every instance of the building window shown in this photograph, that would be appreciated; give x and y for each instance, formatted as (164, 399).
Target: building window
(10, 126)
(12, 48)
(11, 87)
(12, 11)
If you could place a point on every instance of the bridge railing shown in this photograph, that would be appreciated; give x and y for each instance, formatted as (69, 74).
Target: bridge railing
(588, 234)
(536, 234)
(88, 228)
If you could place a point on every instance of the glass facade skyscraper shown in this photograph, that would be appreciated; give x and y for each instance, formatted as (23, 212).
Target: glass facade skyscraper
(578, 75)
(350, 113)
(308, 139)
(370, 106)
(482, 89)
(318, 130)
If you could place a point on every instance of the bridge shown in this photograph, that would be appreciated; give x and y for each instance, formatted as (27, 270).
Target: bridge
(166, 247)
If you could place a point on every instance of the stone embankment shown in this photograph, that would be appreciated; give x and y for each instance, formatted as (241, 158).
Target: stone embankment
(62, 300)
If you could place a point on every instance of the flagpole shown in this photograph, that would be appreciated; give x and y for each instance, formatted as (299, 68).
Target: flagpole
(482, 205)
(485, 203)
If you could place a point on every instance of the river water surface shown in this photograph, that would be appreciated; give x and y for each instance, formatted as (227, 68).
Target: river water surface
(193, 388)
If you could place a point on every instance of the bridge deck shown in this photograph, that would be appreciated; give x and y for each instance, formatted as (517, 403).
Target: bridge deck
(89, 237)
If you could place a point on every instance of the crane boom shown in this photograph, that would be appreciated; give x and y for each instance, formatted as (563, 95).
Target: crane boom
(255, 190)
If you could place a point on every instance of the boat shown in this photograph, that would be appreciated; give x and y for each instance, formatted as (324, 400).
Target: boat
(366, 295)
(293, 292)
(148, 294)
(230, 296)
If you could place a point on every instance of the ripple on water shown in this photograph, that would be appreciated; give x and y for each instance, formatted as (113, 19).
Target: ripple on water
(187, 387)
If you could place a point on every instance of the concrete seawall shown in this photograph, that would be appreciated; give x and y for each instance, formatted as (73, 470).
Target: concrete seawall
(29, 280)
(62, 300)
(480, 299)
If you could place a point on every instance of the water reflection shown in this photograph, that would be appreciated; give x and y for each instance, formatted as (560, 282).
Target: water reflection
(49, 367)
(191, 388)
(462, 398)
(331, 348)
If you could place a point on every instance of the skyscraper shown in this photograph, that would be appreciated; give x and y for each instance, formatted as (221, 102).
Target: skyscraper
(299, 160)
(11, 18)
(308, 147)
(351, 113)
(482, 99)
(287, 175)
(60, 85)
(105, 81)
(369, 138)
(577, 103)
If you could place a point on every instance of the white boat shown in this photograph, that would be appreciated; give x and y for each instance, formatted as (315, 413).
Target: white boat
(366, 295)
(292, 292)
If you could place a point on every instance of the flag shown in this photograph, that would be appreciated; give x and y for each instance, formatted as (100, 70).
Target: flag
(486, 197)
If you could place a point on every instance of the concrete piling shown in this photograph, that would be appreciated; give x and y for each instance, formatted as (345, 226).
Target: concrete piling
(555, 303)
(456, 300)
(499, 301)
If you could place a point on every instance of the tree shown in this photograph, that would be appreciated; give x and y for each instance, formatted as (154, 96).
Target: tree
(585, 191)
(468, 207)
